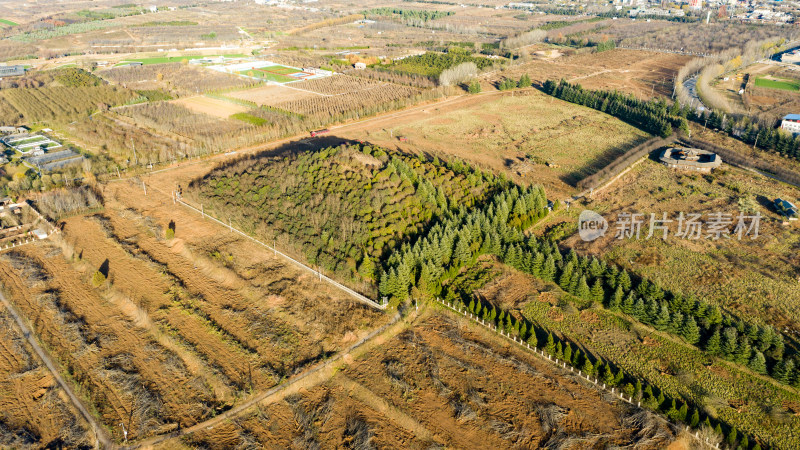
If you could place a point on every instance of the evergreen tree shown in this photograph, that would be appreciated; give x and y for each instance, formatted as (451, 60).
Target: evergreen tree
(367, 268)
(743, 351)
(608, 376)
(576, 357)
(550, 346)
(713, 344)
(532, 340)
(733, 436)
(683, 412)
(588, 367)
(582, 290)
(690, 331)
(730, 341)
(616, 300)
(566, 276)
(784, 371)
(639, 310)
(525, 81)
(758, 363)
(624, 280)
(695, 418)
(661, 322)
(628, 304)
(597, 294)
(474, 87)
(672, 411)
(568, 353)
(675, 323)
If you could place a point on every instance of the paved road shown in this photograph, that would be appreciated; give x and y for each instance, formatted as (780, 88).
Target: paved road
(691, 87)
(100, 434)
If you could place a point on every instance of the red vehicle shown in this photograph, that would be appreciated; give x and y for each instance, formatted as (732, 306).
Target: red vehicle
(318, 132)
(402, 138)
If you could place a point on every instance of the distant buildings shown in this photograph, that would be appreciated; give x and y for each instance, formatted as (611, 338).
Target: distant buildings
(360, 66)
(692, 159)
(30, 144)
(642, 11)
(12, 71)
(791, 123)
(792, 57)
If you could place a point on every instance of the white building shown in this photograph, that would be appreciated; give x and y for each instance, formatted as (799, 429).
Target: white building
(791, 123)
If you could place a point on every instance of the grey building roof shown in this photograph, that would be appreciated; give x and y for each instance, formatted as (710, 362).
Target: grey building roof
(690, 158)
(12, 71)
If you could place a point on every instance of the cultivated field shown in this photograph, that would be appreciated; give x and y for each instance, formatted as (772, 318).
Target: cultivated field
(34, 411)
(106, 134)
(179, 329)
(338, 85)
(183, 121)
(442, 383)
(365, 96)
(176, 78)
(211, 106)
(272, 95)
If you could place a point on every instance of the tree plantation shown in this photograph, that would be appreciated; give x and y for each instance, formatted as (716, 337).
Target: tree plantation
(343, 207)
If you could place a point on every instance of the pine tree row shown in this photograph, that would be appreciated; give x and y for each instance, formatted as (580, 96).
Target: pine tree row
(650, 116)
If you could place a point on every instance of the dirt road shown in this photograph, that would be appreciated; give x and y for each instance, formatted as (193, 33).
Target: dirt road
(100, 434)
(307, 379)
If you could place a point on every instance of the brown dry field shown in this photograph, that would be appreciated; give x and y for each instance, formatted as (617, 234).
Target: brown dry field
(34, 411)
(272, 95)
(636, 72)
(183, 329)
(753, 277)
(211, 106)
(495, 131)
(442, 383)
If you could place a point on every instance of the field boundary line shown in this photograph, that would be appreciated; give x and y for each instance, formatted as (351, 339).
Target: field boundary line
(317, 273)
(99, 432)
(608, 183)
(210, 423)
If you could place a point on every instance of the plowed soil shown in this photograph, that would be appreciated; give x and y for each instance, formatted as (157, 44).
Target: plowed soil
(181, 329)
(440, 383)
(34, 412)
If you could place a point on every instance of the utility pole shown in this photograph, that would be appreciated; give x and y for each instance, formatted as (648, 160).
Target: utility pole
(135, 158)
